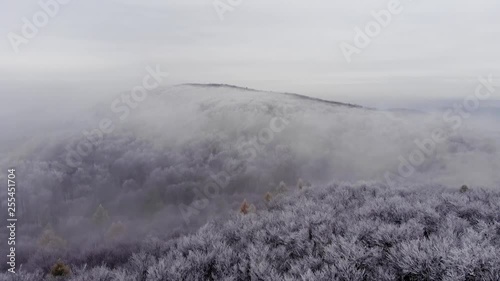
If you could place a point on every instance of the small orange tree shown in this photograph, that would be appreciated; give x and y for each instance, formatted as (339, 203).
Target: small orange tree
(244, 208)
(268, 197)
(60, 269)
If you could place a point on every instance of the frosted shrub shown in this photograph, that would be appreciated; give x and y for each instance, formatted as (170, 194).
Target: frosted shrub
(337, 232)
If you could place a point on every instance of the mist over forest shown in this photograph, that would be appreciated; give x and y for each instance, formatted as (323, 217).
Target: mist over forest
(234, 140)
(95, 188)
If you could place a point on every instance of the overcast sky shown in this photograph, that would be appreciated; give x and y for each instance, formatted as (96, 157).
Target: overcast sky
(431, 49)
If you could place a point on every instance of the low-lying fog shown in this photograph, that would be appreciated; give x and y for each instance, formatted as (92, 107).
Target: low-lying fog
(169, 161)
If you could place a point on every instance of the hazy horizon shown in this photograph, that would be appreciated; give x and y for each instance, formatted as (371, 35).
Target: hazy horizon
(427, 51)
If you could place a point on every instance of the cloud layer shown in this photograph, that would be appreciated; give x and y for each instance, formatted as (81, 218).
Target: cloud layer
(191, 153)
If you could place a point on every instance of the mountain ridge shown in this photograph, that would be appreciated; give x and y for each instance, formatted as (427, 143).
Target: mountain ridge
(220, 85)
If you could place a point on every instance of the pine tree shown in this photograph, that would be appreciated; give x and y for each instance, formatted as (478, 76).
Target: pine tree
(50, 240)
(116, 230)
(100, 216)
(282, 187)
(300, 183)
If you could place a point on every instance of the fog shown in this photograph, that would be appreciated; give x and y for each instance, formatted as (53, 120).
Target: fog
(187, 154)
(131, 121)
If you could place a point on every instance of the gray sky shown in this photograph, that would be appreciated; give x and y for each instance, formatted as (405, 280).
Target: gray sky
(432, 49)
